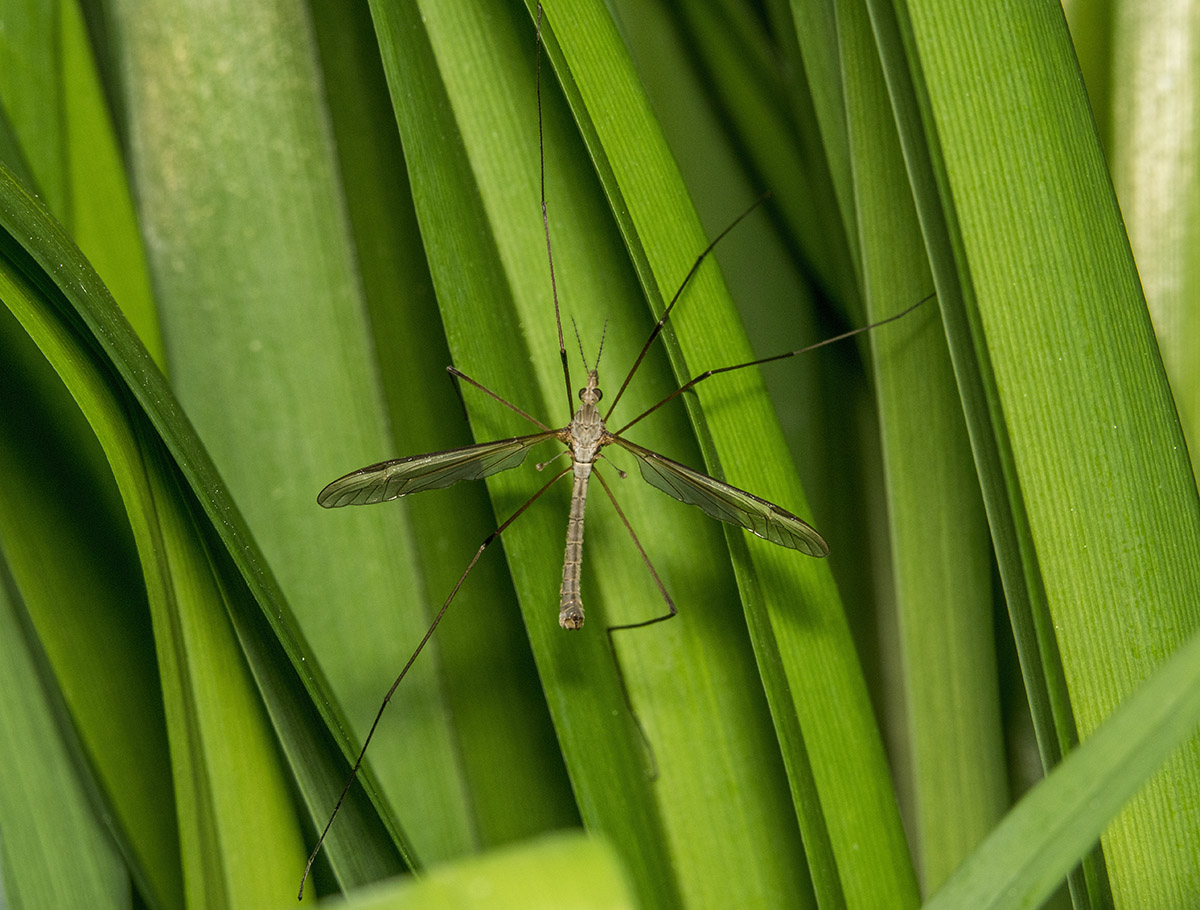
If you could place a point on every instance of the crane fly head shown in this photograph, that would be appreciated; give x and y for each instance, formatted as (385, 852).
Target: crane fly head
(591, 393)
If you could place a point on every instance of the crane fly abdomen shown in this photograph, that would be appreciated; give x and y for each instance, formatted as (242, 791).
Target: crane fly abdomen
(570, 613)
(584, 437)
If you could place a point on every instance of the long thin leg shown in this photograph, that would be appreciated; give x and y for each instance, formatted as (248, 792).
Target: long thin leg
(562, 348)
(741, 366)
(662, 589)
(457, 386)
(412, 659)
(658, 326)
(612, 646)
(456, 373)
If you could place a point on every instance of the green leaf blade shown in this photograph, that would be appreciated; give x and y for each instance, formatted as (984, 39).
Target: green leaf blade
(1078, 396)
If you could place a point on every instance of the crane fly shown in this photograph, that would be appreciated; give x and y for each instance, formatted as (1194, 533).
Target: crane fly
(585, 437)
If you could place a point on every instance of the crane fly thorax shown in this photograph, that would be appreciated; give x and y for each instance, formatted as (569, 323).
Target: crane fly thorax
(587, 432)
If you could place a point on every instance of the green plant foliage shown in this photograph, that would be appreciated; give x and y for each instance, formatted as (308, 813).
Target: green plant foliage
(239, 243)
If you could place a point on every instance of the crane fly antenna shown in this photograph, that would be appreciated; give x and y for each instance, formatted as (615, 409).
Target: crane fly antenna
(658, 326)
(603, 335)
(696, 380)
(579, 342)
(599, 353)
(562, 348)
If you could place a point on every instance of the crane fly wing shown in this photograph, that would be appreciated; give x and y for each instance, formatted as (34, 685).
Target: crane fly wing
(401, 476)
(726, 503)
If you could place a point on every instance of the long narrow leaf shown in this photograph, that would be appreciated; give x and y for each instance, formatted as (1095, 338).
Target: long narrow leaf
(74, 308)
(842, 746)
(267, 350)
(1099, 490)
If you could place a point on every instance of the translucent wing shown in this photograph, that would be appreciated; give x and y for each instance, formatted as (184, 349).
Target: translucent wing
(401, 476)
(726, 503)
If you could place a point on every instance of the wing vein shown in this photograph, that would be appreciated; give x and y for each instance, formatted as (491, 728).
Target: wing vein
(725, 502)
(434, 471)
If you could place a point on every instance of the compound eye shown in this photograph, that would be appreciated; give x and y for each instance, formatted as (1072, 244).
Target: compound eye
(599, 394)
(581, 391)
